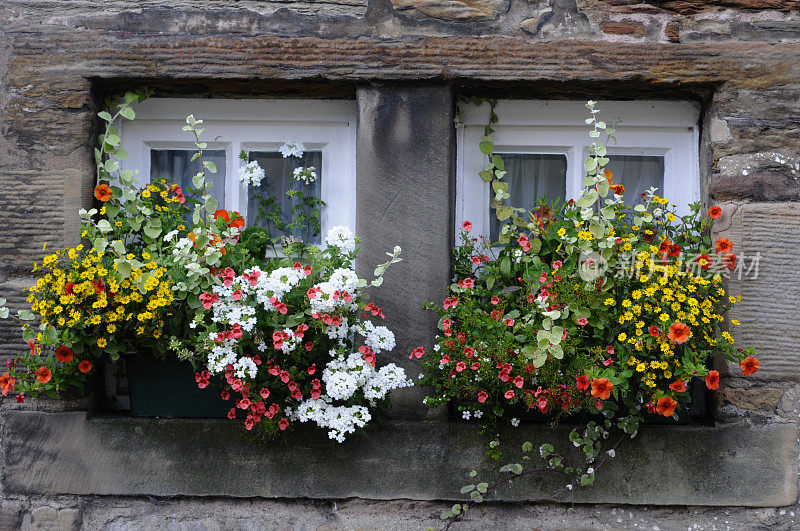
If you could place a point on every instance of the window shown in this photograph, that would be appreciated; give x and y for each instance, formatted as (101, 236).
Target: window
(544, 144)
(158, 148)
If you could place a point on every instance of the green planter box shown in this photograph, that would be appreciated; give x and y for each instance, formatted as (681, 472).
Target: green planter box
(167, 388)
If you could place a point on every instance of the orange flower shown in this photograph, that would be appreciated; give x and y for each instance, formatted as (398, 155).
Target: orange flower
(666, 406)
(85, 366)
(714, 212)
(64, 354)
(192, 236)
(704, 261)
(221, 213)
(103, 192)
(679, 333)
(749, 365)
(724, 245)
(43, 375)
(618, 189)
(729, 261)
(601, 388)
(679, 386)
(712, 380)
(6, 383)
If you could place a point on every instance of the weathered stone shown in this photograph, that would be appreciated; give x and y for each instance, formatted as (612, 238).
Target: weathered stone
(50, 519)
(624, 27)
(673, 31)
(720, 132)
(706, 29)
(452, 10)
(753, 399)
(405, 182)
(10, 514)
(68, 453)
(689, 7)
(757, 177)
(764, 237)
(532, 24)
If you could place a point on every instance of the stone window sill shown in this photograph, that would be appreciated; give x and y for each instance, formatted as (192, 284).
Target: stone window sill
(71, 452)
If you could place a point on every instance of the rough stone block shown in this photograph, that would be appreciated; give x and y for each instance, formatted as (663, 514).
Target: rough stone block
(70, 453)
(625, 27)
(404, 193)
(768, 312)
(452, 10)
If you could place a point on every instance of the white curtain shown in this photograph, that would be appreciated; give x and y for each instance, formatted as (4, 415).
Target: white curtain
(177, 166)
(529, 177)
(278, 181)
(637, 173)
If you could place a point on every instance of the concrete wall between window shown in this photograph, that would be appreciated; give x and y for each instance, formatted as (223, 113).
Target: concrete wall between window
(405, 63)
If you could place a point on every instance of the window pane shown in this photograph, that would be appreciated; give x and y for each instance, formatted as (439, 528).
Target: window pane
(277, 181)
(529, 177)
(177, 166)
(637, 173)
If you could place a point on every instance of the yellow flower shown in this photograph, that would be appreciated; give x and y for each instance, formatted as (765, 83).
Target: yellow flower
(102, 342)
(145, 193)
(562, 231)
(609, 302)
(735, 322)
(585, 235)
(622, 336)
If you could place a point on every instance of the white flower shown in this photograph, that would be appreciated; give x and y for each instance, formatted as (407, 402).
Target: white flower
(307, 175)
(292, 148)
(466, 415)
(611, 453)
(515, 422)
(341, 237)
(341, 385)
(477, 414)
(251, 173)
(657, 213)
(171, 234)
(590, 471)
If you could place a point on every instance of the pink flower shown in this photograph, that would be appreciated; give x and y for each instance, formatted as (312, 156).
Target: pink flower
(307, 270)
(519, 381)
(557, 264)
(467, 283)
(208, 299)
(264, 393)
(228, 274)
(445, 360)
(508, 322)
(417, 352)
(610, 350)
(278, 305)
(495, 300)
(452, 302)
(509, 394)
(583, 321)
(460, 366)
(476, 365)
(284, 376)
(608, 362)
(232, 413)
(236, 295)
(252, 278)
(283, 424)
(482, 396)
(467, 225)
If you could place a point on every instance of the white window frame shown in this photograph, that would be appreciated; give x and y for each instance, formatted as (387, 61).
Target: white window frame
(663, 128)
(328, 126)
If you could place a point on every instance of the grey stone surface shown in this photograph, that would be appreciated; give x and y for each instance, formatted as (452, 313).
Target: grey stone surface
(70, 453)
(405, 193)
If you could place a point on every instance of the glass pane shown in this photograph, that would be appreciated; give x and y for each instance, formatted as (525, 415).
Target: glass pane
(637, 173)
(277, 181)
(177, 166)
(529, 177)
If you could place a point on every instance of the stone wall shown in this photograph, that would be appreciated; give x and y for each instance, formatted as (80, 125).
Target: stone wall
(411, 59)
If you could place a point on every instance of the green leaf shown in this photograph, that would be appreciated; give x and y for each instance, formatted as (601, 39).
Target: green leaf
(210, 166)
(3, 312)
(153, 232)
(105, 116)
(590, 164)
(211, 205)
(467, 488)
(377, 282)
(498, 162)
(127, 112)
(100, 244)
(26, 315)
(124, 270)
(505, 267)
(198, 180)
(486, 146)
(504, 212)
(104, 226)
(486, 175)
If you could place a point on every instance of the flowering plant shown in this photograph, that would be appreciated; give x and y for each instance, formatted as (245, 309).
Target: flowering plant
(592, 308)
(286, 336)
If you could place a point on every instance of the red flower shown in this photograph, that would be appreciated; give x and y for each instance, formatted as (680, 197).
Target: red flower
(679, 386)
(20, 399)
(749, 365)
(654, 331)
(85, 366)
(679, 333)
(482, 396)
(508, 322)
(208, 299)
(712, 380)
(313, 368)
(232, 413)
(729, 261)
(467, 225)
(651, 408)
(32, 345)
(283, 423)
(608, 362)
(495, 300)
(222, 214)
(64, 354)
(582, 383)
(264, 393)
(601, 388)
(724, 245)
(43, 375)
(225, 395)
(519, 381)
(509, 394)
(103, 192)
(704, 261)
(666, 406)
(6, 383)
(714, 212)
(461, 366)
(674, 250)
(417, 352)
(238, 222)
(583, 321)
(99, 285)
(68, 288)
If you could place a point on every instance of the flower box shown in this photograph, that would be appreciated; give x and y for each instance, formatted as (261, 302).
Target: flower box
(167, 388)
